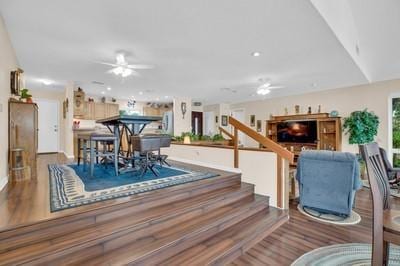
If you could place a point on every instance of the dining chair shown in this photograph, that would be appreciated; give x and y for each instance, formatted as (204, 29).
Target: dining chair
(386, 221)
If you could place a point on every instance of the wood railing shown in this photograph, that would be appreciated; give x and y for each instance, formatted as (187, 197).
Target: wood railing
(226, 132)
(282, 153)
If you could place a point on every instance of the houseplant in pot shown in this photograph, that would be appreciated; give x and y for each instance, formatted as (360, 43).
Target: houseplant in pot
(362, 127)
(26, 96)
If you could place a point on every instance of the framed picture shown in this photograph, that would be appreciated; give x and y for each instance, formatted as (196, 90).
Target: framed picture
(252, 120)
(258, 125)
(224, 120)
(15, 81)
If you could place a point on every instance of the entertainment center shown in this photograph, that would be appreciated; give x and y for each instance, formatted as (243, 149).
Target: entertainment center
(306, 132)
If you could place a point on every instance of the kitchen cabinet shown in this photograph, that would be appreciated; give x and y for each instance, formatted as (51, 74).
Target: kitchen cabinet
(95, 111)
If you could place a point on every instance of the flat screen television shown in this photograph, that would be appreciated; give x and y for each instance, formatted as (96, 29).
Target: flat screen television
(297, 131)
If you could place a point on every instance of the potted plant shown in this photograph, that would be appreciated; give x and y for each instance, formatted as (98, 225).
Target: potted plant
(26, 96)
(362, 127)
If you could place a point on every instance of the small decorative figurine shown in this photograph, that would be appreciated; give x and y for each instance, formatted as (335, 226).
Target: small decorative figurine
(286, 111)
(309, 110)
(297, 109)
(319, 109)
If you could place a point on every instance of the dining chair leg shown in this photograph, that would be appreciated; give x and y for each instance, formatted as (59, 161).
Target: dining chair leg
(84, 154)
(386, 248)
(116, 157)
(92, 155)
(79, 151)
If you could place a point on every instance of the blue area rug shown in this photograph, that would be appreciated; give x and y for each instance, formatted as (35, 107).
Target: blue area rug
(71, 187)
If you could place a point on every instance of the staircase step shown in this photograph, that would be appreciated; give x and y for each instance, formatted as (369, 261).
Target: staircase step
(113, 233)
(225, 246)
(15, 237)
(163, 244)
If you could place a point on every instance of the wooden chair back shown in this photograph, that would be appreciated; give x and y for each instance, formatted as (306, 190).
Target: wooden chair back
(380, 190)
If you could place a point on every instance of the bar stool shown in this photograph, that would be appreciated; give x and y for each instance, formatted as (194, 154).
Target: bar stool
(93, 139)
(145, 146)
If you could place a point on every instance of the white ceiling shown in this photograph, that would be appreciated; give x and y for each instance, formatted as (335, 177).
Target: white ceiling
(199, 47)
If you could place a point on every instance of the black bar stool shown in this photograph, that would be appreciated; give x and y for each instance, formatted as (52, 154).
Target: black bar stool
(93, 139)
(145, 146)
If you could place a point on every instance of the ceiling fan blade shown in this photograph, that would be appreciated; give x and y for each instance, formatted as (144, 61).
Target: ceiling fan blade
(276, 87)
(108, 64)
(140, 66)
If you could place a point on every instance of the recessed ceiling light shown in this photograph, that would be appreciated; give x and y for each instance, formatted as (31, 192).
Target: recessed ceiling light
(255, 54)
(108, 88)
(103, 92)
(140, 92)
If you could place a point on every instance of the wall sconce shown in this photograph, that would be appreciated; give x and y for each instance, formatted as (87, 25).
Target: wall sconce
(183, 109)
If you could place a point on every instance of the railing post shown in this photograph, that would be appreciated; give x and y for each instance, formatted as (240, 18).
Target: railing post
(236, 148)
(279, 178)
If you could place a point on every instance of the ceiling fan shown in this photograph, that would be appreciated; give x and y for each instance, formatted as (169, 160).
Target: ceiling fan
(121, 67)
(266, 88)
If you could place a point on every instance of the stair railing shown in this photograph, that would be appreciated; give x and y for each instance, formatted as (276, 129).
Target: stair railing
(226, 132)
(284, 156)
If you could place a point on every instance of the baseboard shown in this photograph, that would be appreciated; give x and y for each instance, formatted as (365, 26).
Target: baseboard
(209, 165)
(3, 182)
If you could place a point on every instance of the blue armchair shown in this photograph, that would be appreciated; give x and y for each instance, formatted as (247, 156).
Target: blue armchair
(328, 181)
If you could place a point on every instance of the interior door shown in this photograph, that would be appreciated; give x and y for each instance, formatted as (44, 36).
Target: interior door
(197, 123)
(209, 123)
(239, 115)
(48, 125)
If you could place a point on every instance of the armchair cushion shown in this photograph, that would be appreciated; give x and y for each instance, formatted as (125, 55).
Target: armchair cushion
(328, 181)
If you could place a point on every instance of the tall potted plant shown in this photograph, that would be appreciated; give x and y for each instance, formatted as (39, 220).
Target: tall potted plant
(362, 127)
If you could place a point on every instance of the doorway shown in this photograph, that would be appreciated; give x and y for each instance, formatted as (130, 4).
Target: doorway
(209, 123)
(238, 114)
(197, 123)
(48, 125)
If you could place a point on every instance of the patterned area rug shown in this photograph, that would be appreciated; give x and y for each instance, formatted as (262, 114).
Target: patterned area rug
(344, 254)
(71, 187)
(393, 191)
(353, 219)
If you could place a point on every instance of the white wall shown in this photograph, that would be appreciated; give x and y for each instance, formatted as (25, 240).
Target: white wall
(8, 62)
(182, 124)
(345, 100)
(257, 167)
(69, 134)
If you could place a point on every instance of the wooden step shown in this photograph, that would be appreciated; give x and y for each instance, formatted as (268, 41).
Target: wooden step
(224, 247)
(163, 244)
(113, 233)
(17, 236)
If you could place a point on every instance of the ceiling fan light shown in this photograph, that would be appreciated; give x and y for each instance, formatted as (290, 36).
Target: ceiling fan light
(118, 70)
(263, 91)
(126, 72)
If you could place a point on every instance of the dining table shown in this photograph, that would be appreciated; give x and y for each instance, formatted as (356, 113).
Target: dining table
(125, 125)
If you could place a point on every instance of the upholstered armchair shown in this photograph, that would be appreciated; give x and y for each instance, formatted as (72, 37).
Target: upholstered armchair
(328, 181)
(392, 173)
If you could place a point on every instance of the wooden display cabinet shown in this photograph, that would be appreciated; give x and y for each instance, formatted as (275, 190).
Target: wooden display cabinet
(329, 132)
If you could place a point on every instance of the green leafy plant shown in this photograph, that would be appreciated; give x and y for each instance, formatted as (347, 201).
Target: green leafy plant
(361, 126)
(25, 94)
(217, 137)
(205, 138)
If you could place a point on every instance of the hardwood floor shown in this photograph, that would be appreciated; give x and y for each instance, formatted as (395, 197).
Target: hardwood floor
(301, 235)
(217, 219)
(27, 202)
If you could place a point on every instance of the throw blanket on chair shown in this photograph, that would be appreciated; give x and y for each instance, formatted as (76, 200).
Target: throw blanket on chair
(328, 181)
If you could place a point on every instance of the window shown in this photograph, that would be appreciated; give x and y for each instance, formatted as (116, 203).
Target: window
(395, 130)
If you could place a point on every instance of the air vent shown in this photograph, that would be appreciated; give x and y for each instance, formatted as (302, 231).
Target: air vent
(98, 82)
(196, 103)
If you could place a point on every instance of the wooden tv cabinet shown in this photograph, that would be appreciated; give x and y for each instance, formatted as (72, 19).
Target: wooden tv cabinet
(329, 132)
